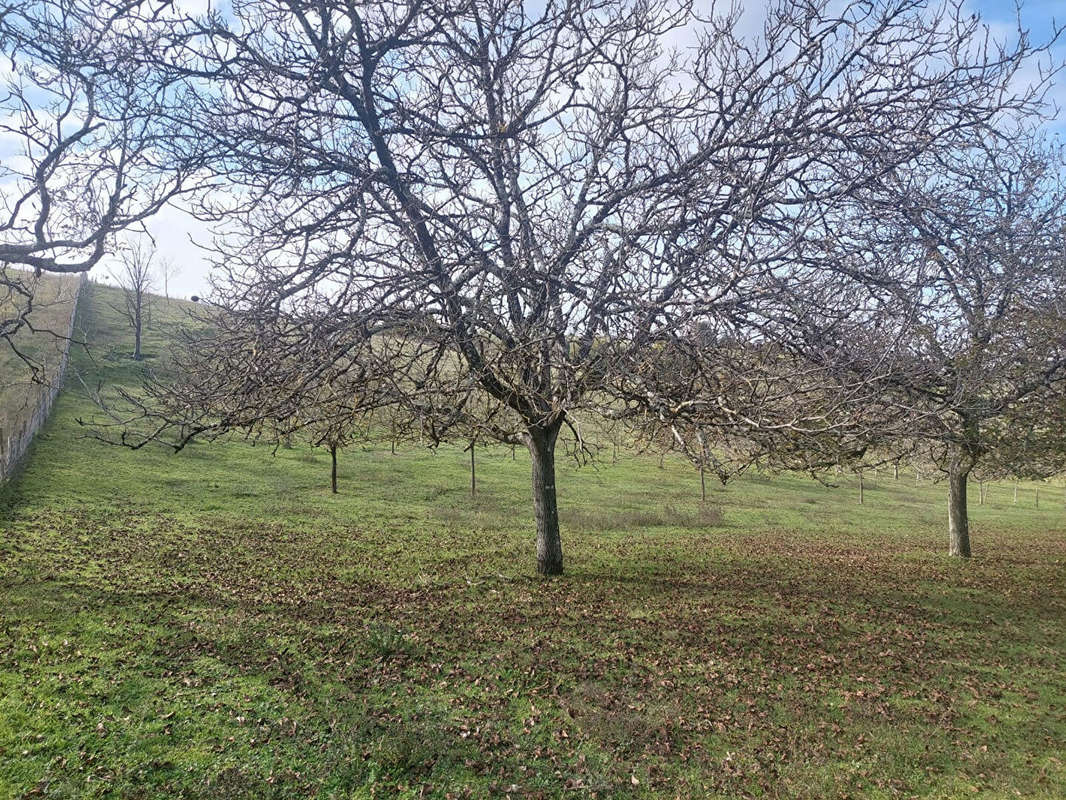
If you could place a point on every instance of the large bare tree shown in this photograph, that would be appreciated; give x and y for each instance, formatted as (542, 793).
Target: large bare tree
(553, 189)
(955, 266)
(982, 241)
(84, 156)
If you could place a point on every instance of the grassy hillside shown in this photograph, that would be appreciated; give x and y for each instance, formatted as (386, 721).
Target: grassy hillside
(40, 345)
(216, 624)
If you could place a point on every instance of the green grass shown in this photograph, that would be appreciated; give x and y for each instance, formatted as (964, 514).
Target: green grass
(37, 346)
(216, 624)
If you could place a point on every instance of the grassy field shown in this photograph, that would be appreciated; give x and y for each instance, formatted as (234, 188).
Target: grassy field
(43, 347)
(216, 624)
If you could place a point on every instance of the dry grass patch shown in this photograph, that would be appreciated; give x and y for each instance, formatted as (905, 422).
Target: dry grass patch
(699, 515)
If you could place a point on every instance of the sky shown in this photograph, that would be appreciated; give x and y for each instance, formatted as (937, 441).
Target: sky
(177, 234)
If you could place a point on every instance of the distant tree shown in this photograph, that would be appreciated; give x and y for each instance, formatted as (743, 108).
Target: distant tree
(553, 190)
(136, 278)
(334, 418)
(168, 270)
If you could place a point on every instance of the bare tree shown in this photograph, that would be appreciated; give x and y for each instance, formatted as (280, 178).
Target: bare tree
(961, 259)
(168, 269)
(136, 278)
(335, 419)
(552, 193)
(84, 156)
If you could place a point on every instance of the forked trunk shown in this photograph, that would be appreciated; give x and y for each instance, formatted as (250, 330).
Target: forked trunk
(958, 519)
(541, 440)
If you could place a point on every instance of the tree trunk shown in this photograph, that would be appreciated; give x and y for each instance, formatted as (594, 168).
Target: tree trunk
(541, 442)
(895, 470)
(473, 472)
(703, 486)
(861, 487)
(333, 467)
(137, 332)
(1016, 494)
(958, 521)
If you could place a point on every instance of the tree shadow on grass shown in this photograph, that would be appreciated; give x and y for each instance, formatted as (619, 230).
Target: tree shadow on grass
(733, 639)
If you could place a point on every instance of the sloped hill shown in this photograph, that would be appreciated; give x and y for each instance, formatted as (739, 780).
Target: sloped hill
(36, 320)
(34, 354)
